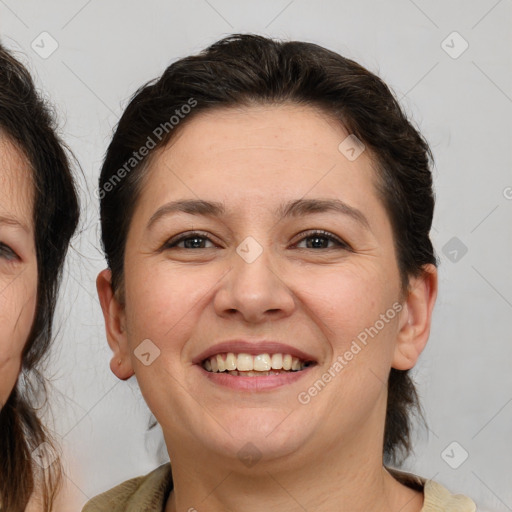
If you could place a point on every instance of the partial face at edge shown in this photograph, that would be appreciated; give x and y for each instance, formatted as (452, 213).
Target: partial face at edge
(315, 294)
(18, 263)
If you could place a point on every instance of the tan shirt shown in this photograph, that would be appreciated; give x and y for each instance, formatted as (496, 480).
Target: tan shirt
(149, 494)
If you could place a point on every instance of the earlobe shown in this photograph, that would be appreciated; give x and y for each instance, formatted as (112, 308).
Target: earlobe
(113, 314)
(415, 319)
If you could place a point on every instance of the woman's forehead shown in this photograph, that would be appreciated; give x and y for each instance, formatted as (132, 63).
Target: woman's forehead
(16, 185)
(287, 125)
(262, 147)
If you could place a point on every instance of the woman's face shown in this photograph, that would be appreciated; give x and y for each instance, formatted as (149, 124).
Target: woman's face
(259, 272)
(18, 264)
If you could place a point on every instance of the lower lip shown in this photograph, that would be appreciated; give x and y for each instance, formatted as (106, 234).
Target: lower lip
(263, 383)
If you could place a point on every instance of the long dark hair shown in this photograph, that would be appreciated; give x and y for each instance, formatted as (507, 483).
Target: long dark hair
(27, 122)
(244, 69)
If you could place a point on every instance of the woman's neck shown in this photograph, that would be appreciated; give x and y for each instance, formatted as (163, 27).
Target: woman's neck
(341, 482)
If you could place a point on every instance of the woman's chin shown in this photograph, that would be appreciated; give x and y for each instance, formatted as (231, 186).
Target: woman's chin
(254, 438)
(244, 454)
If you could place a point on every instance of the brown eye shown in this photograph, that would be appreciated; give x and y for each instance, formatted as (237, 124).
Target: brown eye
(194, 240)
(321, 239)
(7, 253)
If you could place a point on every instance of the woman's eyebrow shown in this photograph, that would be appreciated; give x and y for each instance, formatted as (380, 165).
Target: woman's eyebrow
(296, 208)
(11, 221)
(302, 207)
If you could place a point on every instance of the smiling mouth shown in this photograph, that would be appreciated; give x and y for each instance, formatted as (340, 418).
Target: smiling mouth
(247, 365)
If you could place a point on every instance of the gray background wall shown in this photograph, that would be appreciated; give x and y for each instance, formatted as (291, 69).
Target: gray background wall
(90, 56)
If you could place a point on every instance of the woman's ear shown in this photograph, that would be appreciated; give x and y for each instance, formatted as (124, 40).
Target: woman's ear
(115, 326)
(415, 319)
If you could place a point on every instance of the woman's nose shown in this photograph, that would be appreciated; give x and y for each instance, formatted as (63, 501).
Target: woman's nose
(254, 288)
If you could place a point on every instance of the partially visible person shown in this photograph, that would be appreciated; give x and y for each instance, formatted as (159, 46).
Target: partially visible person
(38, 215)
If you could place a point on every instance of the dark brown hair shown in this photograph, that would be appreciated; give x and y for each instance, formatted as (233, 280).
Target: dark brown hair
(243, 70)
(26, 121)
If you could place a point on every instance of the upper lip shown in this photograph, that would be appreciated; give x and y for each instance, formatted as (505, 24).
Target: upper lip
(254, 348)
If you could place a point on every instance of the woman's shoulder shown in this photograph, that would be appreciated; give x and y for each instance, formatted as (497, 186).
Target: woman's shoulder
(148, 493)
(436, 496)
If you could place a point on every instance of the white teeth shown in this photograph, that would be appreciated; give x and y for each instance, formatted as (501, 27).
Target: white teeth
(230, 361)
(244, 362)
(261, 364)
(277, 361)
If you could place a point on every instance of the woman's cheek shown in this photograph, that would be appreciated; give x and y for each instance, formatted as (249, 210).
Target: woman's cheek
(158, 299)
(16, 321)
